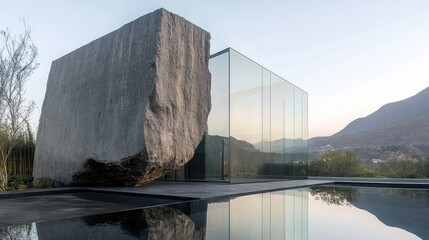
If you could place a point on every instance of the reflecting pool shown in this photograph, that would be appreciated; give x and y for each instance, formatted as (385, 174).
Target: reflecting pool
(323, 212)
(368, 213)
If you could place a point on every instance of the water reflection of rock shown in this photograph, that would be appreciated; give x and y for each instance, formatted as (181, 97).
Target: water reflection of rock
(343, 196)
(163, 222)
(24, 231)
(170, 223)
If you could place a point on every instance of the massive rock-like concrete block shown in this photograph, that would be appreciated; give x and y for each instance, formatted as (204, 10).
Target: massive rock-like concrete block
(127, 107)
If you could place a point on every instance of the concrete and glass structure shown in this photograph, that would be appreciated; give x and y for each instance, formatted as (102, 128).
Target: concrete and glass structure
(257, 127)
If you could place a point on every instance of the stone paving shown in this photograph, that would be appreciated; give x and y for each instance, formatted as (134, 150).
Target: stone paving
(206, 190)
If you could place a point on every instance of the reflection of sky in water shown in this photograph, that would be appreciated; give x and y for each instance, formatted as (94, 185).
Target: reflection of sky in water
(292, 214)
(345, 221)
(348, 222)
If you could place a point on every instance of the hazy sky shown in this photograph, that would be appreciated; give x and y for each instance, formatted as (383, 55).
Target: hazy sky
(350, 56)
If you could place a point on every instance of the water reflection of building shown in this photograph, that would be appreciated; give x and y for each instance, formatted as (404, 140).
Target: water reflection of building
(257, 128)
(272, 215)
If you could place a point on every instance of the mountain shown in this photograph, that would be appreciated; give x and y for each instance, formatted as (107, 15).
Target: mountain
(416, 106)
(398, 128)
(280, 145)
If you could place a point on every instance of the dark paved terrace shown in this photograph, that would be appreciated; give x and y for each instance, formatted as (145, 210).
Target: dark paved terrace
(205, 190)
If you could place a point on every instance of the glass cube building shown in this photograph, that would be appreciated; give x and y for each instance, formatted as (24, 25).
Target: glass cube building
(257, 127)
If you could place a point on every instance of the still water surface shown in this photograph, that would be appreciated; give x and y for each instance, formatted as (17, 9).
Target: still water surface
(324, 212)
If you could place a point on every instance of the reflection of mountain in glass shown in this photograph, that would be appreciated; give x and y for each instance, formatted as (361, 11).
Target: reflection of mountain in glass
(403, 208)
(249, 161)
(280, 145)
(217, 156)
(163, 222)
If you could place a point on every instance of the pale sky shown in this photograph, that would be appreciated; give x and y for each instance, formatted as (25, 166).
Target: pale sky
(350, 56)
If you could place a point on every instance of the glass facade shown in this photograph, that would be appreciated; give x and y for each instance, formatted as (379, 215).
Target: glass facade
(257, 128)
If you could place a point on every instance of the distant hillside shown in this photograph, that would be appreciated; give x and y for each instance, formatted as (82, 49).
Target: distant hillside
(391, 113)
(398, 128)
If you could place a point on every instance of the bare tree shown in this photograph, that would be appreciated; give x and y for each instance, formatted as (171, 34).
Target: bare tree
(17, 63)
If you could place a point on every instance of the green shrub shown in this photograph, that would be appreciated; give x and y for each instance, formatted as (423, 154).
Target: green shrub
(20, 182)
(336, 163)
(342, 163)
(402, 168)
(43, 182)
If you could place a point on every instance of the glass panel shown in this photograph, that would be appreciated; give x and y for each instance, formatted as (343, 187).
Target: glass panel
(304, 172)
(170, 176)
(266, 216)
(289, 130)
(218, 220)
(298, 214)
(217, 140)
(211, 158)
(246, 217)
(304, 215)
(298, 161)
(245, 117)
(277, 126)
(289, 203)
(218, 121)
(272, 215)
(266, 123)
(277, 215)
(180, 174)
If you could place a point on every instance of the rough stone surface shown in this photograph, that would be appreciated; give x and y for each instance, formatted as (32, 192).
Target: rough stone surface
(128, 107)
(163, 223)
